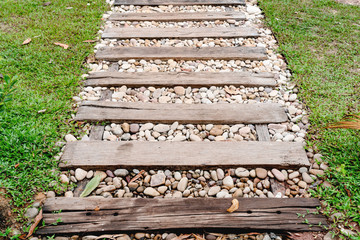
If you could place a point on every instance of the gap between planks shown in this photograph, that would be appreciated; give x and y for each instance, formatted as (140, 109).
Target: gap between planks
(181, 53)
(170, 79)
(180, 33)
(176, 17)
(182, 155)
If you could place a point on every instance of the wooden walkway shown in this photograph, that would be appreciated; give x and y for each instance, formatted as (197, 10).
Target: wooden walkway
(97, 214)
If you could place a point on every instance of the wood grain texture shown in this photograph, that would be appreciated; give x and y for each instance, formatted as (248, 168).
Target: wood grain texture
(176, 17)
(178, 2)
(97, 111)
(170, 79)
(180, 33)
(209, 214)
(262, 132)
(181, 155)
(181, 53)
(96, 132)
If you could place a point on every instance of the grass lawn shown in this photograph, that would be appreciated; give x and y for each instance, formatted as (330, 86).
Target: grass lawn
(48, 76)
(321, 42)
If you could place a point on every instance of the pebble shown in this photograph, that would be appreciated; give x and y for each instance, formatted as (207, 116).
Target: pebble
(182, 184)
(70, 138)
(151, 192)
(157, 180)
(242, 172)
(80, 174)
(261, 173)
(31, 212)
(161, 128)
(228, 182)
(214, 190)
(64, 179)
(278, 175)
(306, 177)
(121, 172)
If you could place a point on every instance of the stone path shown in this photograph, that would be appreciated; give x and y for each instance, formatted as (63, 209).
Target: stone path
(106, 83)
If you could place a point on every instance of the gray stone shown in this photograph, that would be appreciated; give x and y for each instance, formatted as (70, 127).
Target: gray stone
(306, 177)
(161, 128)
(80, 174)
(157, 179)
(214, 190)
(31, 212)
(121, 172)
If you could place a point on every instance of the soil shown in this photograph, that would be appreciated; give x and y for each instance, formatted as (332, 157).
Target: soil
(5, 214)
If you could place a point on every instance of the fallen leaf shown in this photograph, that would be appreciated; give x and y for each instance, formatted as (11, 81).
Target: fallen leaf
(182, 236)
(27, 41)
(37, 220)
(197, 237)
(16, 165)
(65, 46)
(94, 182)
(89, 41)
(47, 3)
(137, 176)
(97, 208)
(234, 206)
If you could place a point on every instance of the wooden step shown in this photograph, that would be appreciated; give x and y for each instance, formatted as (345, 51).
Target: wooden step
(178, 2)
(104, 155)
(96, 111)
(181, 53)
(91, 215)
(172, 79)
(178, 16)
(180, 33)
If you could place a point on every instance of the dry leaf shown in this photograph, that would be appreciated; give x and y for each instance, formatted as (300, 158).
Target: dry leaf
(352, 122)
(37, 220)
(234, 206)
(97, 208)
(197, 237)
(231, 90)
(137, 176)
(65, 46)
(27, 41)
(182, 236)
(16, 165)
(89, 41)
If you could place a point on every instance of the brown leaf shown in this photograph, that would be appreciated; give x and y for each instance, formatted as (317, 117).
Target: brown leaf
(37, 220)
(27, 41)
(197, 237)
(234, 206)
(352, 122)
(182, 236)
(137, 176)
(16, 165)
(89, 41)
(65, 46)
(97, 208)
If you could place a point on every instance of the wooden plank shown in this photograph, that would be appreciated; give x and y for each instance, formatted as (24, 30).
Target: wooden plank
(180, 33)
(205, 214)
(96, 111)
(262, 132)
(172, 79)
(178, 2)
(181, 53)
(177, 17)
(180, 155)
(96, 133)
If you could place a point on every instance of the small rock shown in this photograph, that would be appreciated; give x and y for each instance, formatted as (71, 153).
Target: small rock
(80, 174)
(228, 182)
(261, 173)
(278, 175)
(151, 192)
(31, 213)
(179, 90)
(214, 190)
(134, 128)
(50, 194)
(161, 128)
(242, 172)
(306, 177)
(302, 184)
(182, 184)
(220, 173)
(69, 194)
(70, 138)
(121, 172)
(195, 138)
(157, 179)
(64, 178)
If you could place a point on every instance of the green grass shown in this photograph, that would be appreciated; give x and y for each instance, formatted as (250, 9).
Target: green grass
(321, 42)
(48, 76)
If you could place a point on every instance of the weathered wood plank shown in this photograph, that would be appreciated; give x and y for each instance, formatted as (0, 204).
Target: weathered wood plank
(180, 33)
(97, 111)
(169, 79)
(141, 214)
(96, 132)
(181, 53)
(180, 155)
(176, 17)
(262, 132)
(178, 2)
